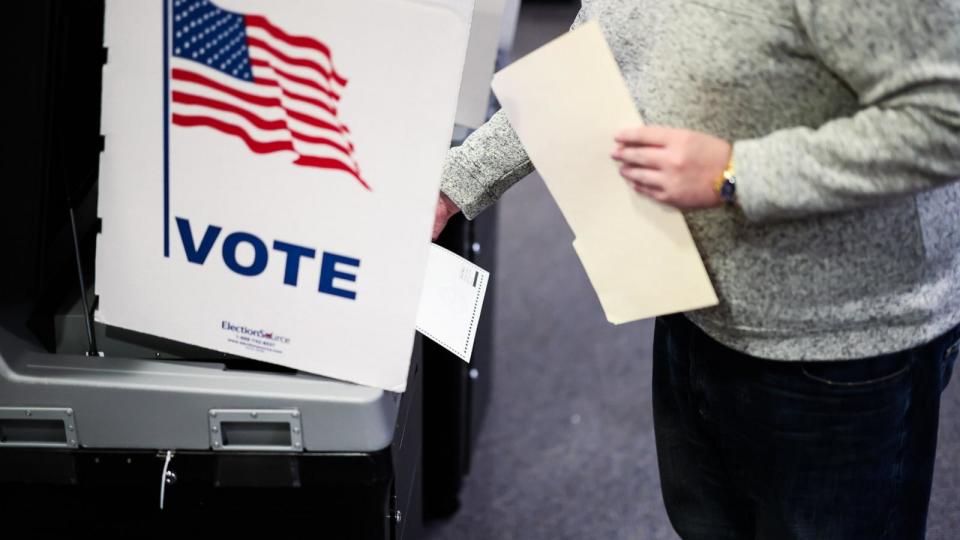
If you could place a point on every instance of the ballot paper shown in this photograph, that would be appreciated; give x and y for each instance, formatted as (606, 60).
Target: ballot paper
(451, 300)
(566, 101)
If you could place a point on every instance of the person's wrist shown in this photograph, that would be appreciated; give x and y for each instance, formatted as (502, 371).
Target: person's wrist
(725, 184)
(449, 206)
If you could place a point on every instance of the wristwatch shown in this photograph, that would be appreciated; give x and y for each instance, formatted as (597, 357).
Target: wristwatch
(726, 184)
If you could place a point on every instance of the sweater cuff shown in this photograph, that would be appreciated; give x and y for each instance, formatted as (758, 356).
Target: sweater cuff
(753, 181)
(463, 187)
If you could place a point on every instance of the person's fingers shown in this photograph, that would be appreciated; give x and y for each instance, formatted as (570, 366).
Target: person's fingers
(644, 136)
(649, 178)
(447, 203)
(648, 157)
(439, 223)
(645, 190)
(657, 194)
(441, 215)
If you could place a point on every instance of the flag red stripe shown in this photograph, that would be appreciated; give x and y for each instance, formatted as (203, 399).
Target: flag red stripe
(293, 78)
(184, 75)
(342, 128)
(307, 119)
(306, 99)
(267, 125)
(189, 76)
(190, 99)
(230, 129)
(267, 147)
(254, 42)
(330, 163)
(300, 97)
(322, 140)
(339, 127)
(258, 21)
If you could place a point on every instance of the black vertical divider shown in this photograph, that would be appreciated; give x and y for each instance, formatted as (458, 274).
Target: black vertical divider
(455, 393)
(50, 151)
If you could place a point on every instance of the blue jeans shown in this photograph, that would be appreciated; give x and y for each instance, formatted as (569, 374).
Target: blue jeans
(752, 448)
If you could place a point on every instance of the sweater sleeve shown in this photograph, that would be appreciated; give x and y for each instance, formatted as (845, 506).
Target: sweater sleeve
(490, 161)
(902, 59)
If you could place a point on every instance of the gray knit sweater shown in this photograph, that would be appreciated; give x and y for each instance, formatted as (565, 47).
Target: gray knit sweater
(845, 117)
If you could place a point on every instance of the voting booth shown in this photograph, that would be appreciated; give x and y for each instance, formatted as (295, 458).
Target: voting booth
(121, 425)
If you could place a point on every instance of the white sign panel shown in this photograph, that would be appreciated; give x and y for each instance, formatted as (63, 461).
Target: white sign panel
(481, 61)
(270, 174)
(508, 28)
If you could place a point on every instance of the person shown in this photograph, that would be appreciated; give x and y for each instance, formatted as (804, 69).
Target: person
(814, 147)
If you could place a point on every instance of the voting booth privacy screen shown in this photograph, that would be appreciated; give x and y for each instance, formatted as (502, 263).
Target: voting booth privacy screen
(270, 171)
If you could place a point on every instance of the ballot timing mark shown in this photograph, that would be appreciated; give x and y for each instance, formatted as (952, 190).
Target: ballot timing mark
(333, 267)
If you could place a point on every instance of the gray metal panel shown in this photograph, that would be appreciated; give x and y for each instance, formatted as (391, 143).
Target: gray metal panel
(71, 338)
(153, 404)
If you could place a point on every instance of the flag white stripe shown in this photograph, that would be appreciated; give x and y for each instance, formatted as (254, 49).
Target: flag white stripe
(222, 78)
(262, 91)
(292, 51)
(298, 71)
(262, 111)
(263, 136)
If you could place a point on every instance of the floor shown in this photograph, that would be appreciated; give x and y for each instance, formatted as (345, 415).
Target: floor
(567, 450)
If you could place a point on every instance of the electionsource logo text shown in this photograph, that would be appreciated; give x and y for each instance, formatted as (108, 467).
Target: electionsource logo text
(259, 333)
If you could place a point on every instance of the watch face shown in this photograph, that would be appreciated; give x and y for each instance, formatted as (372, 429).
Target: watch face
(728, 190)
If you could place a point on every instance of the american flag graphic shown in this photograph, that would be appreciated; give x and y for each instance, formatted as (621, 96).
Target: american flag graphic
(243, 76)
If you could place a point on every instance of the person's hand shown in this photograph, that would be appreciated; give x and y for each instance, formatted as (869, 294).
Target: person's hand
(677, 167)
(445, 210)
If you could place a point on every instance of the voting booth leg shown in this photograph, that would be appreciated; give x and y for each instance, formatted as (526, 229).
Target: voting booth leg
(455, 393)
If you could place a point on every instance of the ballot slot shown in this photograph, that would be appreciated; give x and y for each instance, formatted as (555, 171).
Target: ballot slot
(256, 430)
(32, 431)
(256, 434)
(37, 427)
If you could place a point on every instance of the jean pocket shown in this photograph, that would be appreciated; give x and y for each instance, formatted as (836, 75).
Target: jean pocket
(859, 373)
(950, 355)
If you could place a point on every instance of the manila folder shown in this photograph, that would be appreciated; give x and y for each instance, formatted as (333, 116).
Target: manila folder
(566, 101)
